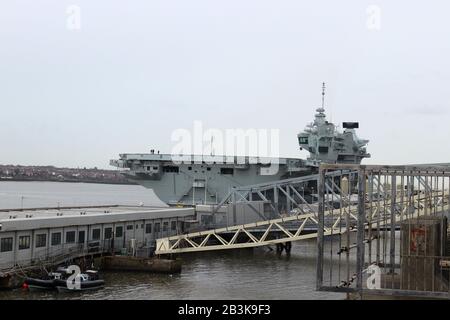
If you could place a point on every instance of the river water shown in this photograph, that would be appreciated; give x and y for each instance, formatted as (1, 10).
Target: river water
(241, 274)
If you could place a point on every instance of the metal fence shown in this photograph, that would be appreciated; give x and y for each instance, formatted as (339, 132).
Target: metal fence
(383, 230)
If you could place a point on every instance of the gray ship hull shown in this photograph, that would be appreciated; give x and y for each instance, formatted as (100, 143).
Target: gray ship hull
(205, 184)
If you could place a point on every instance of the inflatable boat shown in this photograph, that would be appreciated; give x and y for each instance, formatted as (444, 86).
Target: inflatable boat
(82, 282)
(46, 283)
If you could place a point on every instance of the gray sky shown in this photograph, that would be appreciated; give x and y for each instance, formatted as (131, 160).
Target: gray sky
(137, 70)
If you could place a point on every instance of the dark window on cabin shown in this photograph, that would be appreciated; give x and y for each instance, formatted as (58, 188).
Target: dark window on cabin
(119, 232)
(155, 168)
(226, 171)
(148, 228)
(208, 169)
(303, 140)
(108, 233)
(148, 168)
(41, 240)
(96, 234)
(56, 238)
(189, 168)
(24, 242)
(70, 237)
(130, 227)
(206, 219)
(170, 169)
(81, 235)
(165, 226)
(6, 244)
(323, 149)
(173, 225)
(157, 227)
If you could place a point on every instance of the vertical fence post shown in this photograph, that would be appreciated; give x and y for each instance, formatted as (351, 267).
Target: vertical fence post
(360, 228)
(233, 205)
(320, 227)
(275, 200)
(392, 235)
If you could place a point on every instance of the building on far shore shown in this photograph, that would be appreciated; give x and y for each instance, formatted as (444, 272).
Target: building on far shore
(51, 173)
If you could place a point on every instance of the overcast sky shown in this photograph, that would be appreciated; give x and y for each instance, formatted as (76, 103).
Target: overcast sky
(138, 70)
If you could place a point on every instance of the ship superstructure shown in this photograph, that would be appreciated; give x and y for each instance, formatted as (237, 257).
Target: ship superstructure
(326, 144)
(201, 179)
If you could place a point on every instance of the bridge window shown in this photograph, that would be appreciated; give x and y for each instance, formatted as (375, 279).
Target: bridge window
(6, 244)
(130, 227)
(165, 226)
(148, 228)
(56, 238)
(41, 240)
(24, 242)
(303, 140)
(173, 225)
(226, 171)
(171, 169)
(157, 227)
(70, 237)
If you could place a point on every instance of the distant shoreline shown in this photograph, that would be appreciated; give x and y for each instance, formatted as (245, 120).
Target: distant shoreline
(55, 174)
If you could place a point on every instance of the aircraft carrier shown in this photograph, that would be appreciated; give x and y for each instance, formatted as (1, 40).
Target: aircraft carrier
(206, 179)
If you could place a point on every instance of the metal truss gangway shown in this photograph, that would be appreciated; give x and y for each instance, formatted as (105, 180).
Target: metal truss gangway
(339, 191)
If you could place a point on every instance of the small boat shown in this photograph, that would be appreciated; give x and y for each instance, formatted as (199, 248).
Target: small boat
(82, 282)
(45, 283)
(61, 280)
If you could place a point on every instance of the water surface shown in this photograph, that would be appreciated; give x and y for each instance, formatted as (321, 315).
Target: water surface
(239, 274)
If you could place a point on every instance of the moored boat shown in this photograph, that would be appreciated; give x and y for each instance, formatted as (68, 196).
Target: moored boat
(63, 281)
(45, 283)
(81, 282)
